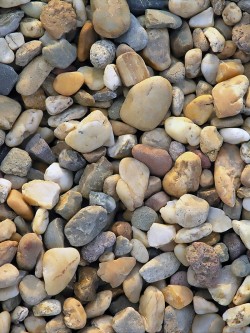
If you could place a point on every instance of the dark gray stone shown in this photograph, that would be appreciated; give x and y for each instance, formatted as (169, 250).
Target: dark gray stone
(27, 52)
(9, 21)
(244, 5)
(104, 95)
(69, 204)
(8, 78)
(34, 174)
(39, 150)
(181, 40)
(71, 160)
(54, 236)
(121, 303)
(114, 110)
(102, 199)
(139, 7)
(122, 246)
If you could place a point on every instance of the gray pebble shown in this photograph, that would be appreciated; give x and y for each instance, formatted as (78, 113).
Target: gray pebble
(33, 8)
(143, 218)
(181, 40)
(11, 303)
(17, 162)
(54, 236)
(178, 320)
(27, 52)
(179, 278)
(222, 251)
(129, 321)
(241, 266)
(60, 54)
(157, 138)
(122, 246)
(22, 226)
(8, 78)
(39, 150)
(234, 212)
(234, 245)
(35, 174)
(158, 19)
(32, 290)
(102, 53)
(136, 36)
(104, 95)
(123, 146)
(121, 303)
(71, 160)
(114, 109)
(176, 149)
(92, 251)
(72, 113)
(102, 199)
(19, 314)
(244, 5)
(9, 21)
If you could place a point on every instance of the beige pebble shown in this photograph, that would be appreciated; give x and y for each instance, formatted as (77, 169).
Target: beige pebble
(8, 276)
(40, 221)
(193, 59)
(133, 284)
(31, 28)
(93, 77)
(74, 314)
(177, 296)
(180, 253)
(7, 229)
(97, 307)
(210, 142)
(231, 14)
(215, 38)
(238, 316)
(5, 321)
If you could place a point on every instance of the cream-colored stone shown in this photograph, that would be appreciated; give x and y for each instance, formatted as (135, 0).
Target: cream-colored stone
(210, 142)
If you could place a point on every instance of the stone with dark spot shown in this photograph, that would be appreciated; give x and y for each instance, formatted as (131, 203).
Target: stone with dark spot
(138, 7)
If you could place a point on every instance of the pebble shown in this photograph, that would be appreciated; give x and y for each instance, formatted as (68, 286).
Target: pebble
(203, 20)
(16, 201)
(71, 160)
(102, 53)
(111, 77)
(8, 251)
(115, 271)
(57, 325)
(31, 28)
(28, 251)
(53, 14)
(7, 228)
(203, 306)
(128, 320)
(181, 8)
(39, 149)
(240, 266)
(69, 204)
(160, 234)
(231, 14)
(17, 162)
(50, 307)
(68, 84)
(241, 228)
(157, 138)
(73, 112)
(210, 142)
(240, 34)
(139, 114)
(60, 54)
(175, 73)
(140, 7)
(97, 307)
(59, 266)
(7, 293)
(9, 77)
(209, 67)
(177, 296)
(74, 314)
(122, 229)
(27, 52)
(5, 187)
(160, 267)
(228, 168)
(87, 38)
(228, 70)
(219, 220)
(181, 40)
(177, 186)
(193, 59)
(215, 38)
(87, 283)
(12, 3)
(200, 40)
(33, 8)
(237, 316)
(185, 235)
(19, 314)
(32, 290)
(8, 275)
(136, 36)
(234, 135)
(157, 201)
(60, 176)
(93, 77)
(5, 321)
(161, 19)
(9, 21)
(102, 199)
(122, 246)
(175, 320)
(7, 56)
(95, 124)
(210, 323)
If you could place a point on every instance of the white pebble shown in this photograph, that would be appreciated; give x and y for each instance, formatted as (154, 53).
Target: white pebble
(57, 104)
(234, 135)
(5, 187)
(160, 234)
(168, 213)
(56, 174)
(220, 222)
(246, 204)
(216, 39)
(238, 316)
(7, 56)
(40, 221)
(203, 20)
(202, 306)
(15, 40)
(111, 77)
(209, 67)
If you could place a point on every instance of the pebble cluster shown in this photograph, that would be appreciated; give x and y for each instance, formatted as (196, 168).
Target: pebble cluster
(124, 166)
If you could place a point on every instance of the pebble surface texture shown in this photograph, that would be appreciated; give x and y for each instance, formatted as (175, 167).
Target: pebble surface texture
(124, 166)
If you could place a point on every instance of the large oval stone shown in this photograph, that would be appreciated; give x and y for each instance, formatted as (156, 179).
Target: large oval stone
(147, 103)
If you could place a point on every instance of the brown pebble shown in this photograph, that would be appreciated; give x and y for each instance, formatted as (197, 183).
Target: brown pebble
(35, 101)
(68, 84)
(8, 251)
(121, 228)
(16, 201)
(157, 201)
(87, 37)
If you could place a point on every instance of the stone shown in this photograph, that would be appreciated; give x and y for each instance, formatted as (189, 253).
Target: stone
(50, 307)
(93, 77)
(139, 251)
(228, 70)
(59, 266)
(9, 21)
(231, 14)
(35, 324)
(203, 20)
(215, 38)
(161, 19)
(35, 101)
(242, 295)
(136, 36)
(121, 228)
(200, 109)
(27, 52)
(122, 246)
(19, 314)
(227, 171)
(177, 296)
(40, 221)
(102, 199)
(210, 323)
(131, 190)
(128, 320)
(73, 112)
(9, 112)
(39, 150)
(7, 228)
(33, 9)
(178, 320)
(8, 251)
(140, 115)
(205, 263)
(5, 321)
(87, 38)
(32, 290)
(6, 54)
(177, 185)
(131, 68)
(111, 77)
(95, 124)
(237, 316)
(12, 3)
(17, 162)
(60, 176)
(102, 53)
(60, 54)
(210, 142)
(68, 84)
(109, 20)
(5, 187)
(200, 40)
(241, 228)
(188, 235)
(175, 73)
(97, 307)
(57, 325)
(31, 28)
(186, 10)
(16, 202)
(193, 60)
(191, 211)
(143, 218)
(157, 160)
(138, 8)
(209, 67)
(9, 275)
(160, 267)
(244, 152)
(160, 234)
(29, 249)
(157, 138)
(88, 281)
(94, 176)
(234, 135)
(155, 56)
(232, 98)
(9, 77)
(181, 40)
(74, 314)
(44, 194)
(123, 146)
(71, 160)
(56, 12)
(219, 220)
(85, 225)
(115, 271)
(54, 236)
(203, 306)
(69, 204)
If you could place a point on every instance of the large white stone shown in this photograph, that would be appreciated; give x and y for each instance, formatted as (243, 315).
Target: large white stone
(160, 234)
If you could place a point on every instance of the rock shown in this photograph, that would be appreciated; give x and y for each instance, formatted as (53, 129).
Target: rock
(59, 266)
(84, 226)
(200, 109)
(94, 124)
(68, 84)
(74, 314)
(6, 54)
(131, 190)
(41, 193)
(226, 286)
(177, 296)
(136, 36)
(237, 316)
(160, 234)
(109, 20)
(177, 185)
(39, 150)
(181, 40)
(209, 67)
(241, 228)
(97, 307)
(140, 115)
(111, 77)
(186, 235)
(140, 7)
(8, 275)
(5, 321)
(34, 324)
(9, 112)
(32, 290)
(191, 211)
(9, 21)
(71, 160)
(160, 267)
(31, 28)
(33, 9)
(60, 54)
(205, 263)
(16, 202)
(186, 10)
(5, 187)
(57, 325)
(240, 266)
(54, 14)
(202, 306)
(128, 320)
(8, 251)
(123, 146)
(72, 113)
(155, 56)
(210, 142)
(60, 176)
(215, 38)
(227, 171)
(228, 70)
(200, 40)
(203, 20)
(88, 281)
(122, 246)
(178, 320)
(143, 218)
(122, 229)
(193, 59)
(54, 236)
(231, 14)
(158, 161)
(17, 162)
(69, 204)
(157, 138)
(161, 19)
(93, 77)
(102, 199)
(12, 3)
(220, 222)
(35, 101)
(29, 249)
(87, 38)
(210, 323)
(242, 295)
(132, 68)
(232, 96)
(102, 53)
(9, 77)
(115, 271)
(27, 52)
(7, 228)
(234, 135)
(139, 251)
(50, 307)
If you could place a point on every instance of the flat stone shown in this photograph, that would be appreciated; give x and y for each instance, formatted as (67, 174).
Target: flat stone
(72, 113)
(128, 320)
(27, 52)
(50, 307)
(17, 162)
(84, 226)
(158, 19)
(9, 77)
(9, 22)
(68, 83)
(6, 54)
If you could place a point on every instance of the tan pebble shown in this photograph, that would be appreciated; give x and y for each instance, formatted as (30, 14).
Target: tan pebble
(5, 321)
(8, 275)
(74, 314)
(119, 128)
(16, 201)
(245, 176)
(114, 272)
(184, 176)
(200, 109)
(68, 84)
(193, 59)
(200, 40)
(228, 70)
(215, 38)
(7, 229)
(97, 307)
(210, 142)
(187, 9)
(228, 51)
(228, 96)
(29, 249)
(93, 77)
(231, 14)
(133, 284)
(207, 178)
(87, 37)
(35, 101)
(121, 228)
(8, 251)
(177, 296)
(109, 186)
